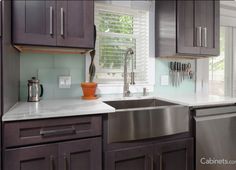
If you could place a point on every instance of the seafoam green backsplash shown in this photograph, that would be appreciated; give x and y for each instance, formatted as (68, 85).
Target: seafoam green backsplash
(48, 68)
(186, 87)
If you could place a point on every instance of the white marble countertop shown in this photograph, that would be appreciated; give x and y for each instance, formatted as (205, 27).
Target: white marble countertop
(198, 100)
(56, 108)
(78, 107)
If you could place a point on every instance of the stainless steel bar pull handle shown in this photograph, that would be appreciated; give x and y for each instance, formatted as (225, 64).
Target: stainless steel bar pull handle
(199, 36)
(51, 21)
(152, 162)
(57, 132)
(161, 162)
(204, 37)
(51, 163)
(149, 159)
(62, 22)
(65, 162)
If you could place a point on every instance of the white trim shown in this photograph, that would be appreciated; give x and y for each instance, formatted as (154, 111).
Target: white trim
(227, 13)
(227, 18)
(229, 59)
(137, 88)
(118, 88)
(202, 76)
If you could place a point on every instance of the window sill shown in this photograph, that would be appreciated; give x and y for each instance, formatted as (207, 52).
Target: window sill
(118, 88)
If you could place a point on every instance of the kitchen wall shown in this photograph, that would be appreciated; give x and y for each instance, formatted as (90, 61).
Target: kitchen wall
(162, 69)
(48, 67)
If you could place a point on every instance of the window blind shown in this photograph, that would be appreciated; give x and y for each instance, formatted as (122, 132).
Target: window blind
(120, 28)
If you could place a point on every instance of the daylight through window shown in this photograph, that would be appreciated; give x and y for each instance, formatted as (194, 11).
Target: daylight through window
(120, 28)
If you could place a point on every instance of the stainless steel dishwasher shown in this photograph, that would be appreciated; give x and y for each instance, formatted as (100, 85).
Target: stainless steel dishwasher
(216, 138)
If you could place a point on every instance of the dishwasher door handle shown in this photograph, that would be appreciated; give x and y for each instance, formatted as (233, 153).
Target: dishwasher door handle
(215, 111)
(214, 117)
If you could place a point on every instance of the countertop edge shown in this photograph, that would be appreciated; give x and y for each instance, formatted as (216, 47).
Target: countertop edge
(103, 108)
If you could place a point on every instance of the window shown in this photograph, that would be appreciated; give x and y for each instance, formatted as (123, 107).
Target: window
(217, 68)
(222, 68)
(120, 28)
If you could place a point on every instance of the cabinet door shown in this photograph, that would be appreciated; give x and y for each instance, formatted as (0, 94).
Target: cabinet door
(0, 17)
(188, 35)
(176, 155)
(210, 16)
(138, 158)
(34, 22)
(31, 158)
(75, 23)
(81, 155)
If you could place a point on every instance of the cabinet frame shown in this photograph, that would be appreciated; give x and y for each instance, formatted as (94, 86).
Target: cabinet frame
(152, 153)
(54, 155)
(46, 153)
(54, 20)
(20, 36)
(178, 36)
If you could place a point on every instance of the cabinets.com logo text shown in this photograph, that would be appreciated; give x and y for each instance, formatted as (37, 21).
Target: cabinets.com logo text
(214, 161)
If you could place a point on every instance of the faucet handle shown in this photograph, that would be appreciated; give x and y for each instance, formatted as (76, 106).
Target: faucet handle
(132, 79)
(145, 91)
(127, 93)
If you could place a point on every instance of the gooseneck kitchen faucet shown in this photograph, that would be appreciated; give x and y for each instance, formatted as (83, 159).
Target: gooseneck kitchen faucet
(126, 91)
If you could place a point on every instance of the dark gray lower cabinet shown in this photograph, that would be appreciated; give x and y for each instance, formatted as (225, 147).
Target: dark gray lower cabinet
(81, 155)
(42, 157)
(174, 155)
(137, 158)
(84, 154)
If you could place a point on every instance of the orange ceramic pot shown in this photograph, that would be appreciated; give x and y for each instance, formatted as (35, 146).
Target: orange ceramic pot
(89, 90)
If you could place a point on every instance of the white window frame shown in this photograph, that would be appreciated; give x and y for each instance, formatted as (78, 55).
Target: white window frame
(227, 19)
(114, 88)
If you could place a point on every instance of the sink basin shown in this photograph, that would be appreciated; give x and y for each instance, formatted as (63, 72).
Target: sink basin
(145, 118)
(142, 103)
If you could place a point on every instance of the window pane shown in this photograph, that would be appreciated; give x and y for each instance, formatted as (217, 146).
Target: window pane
(217, 69)
(120, 28)
(112, 49)
(111, 22)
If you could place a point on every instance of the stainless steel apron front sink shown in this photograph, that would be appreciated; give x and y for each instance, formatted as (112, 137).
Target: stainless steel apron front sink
(146, 118)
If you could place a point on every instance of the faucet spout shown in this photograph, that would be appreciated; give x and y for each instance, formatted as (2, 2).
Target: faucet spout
(126, 91)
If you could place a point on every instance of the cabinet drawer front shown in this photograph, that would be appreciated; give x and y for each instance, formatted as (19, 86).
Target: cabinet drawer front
(41, 131)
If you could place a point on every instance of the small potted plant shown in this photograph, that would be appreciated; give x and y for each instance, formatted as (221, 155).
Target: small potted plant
(89, 88)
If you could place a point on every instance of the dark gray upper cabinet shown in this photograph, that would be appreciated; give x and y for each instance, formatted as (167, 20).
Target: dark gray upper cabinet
(34, 22)
(75, 23)
(210, 25)
(54, 23)
(187, 28)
